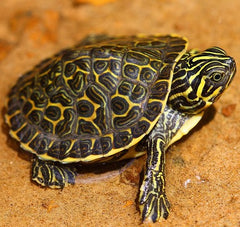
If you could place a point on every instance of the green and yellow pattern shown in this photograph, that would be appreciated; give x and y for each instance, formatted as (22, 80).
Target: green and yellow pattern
(91, 101)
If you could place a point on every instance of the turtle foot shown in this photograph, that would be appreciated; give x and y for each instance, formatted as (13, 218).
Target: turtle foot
(153, 202)
(52, 174)
(154, 208)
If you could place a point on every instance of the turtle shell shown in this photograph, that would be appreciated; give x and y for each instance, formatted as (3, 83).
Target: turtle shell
(94, 100)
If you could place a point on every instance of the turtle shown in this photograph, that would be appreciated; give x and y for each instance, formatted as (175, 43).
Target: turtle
(108, 99)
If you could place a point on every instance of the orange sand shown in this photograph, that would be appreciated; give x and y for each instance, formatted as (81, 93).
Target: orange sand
(203, 178)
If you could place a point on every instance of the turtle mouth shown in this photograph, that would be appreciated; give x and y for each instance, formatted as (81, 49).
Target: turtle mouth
(233, 69)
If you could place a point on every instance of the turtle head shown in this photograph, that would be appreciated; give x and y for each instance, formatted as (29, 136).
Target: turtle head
(200, 78)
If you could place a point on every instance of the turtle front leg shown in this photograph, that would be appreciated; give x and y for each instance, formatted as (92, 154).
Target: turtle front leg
(52, 174)
(153, 202)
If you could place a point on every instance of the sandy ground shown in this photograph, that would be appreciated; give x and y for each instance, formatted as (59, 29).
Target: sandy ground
(203, 169)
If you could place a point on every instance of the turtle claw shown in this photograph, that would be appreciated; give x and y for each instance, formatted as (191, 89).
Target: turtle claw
(154, 208)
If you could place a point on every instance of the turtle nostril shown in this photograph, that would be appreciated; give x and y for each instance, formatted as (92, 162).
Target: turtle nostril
(233, 65)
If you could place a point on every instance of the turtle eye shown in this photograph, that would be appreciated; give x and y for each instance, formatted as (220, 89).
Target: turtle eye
(216, 77)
